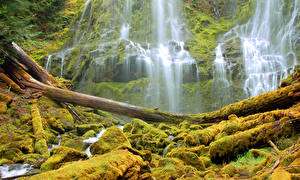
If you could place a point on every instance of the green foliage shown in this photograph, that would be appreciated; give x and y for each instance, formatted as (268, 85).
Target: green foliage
(14, 24)
(29, 20)
(248, 159)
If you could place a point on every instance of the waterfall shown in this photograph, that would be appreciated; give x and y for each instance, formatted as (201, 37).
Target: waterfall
(221, 83)
(164, 59)
(169, 60)
(124, 32)
(86, 15)
(267, 45)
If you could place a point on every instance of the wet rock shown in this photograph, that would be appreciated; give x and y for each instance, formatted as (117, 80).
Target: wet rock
(61, 155)
(112, 138)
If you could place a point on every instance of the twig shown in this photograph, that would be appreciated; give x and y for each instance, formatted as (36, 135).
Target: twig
(275, 147)
(275, 165)
(295, 150)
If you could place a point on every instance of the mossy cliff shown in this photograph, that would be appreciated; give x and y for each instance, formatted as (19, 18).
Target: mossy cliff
(98, 62)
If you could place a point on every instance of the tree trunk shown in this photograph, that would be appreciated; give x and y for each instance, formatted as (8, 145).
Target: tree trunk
(282, 98)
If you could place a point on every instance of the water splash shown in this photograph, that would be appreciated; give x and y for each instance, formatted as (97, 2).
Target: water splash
(55, 145)
(13, 170)
(92, 140)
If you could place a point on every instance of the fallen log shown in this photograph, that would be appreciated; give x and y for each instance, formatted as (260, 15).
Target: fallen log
(282, 98)
(18, 55)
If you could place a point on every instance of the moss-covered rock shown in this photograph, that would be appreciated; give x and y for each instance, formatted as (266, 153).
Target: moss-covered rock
(144, 136)
(281, 174)
(61, 155)
(62, 115)
(77, 144)
(120, 164)
(89, 134)
(112, 138)
(3, 108)
(83, 128)
(190, 158)
(173, 168)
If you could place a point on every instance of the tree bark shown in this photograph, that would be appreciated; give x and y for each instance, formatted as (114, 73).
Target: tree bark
(282, 98)
(21, 58)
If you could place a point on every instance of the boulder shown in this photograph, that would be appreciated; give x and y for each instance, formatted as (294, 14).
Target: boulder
(120, 164)
(61, 155)
(112, 138)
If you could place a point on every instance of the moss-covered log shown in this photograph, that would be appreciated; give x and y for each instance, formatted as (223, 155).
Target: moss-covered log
(39, 133)
(229, 146)
(235, 124)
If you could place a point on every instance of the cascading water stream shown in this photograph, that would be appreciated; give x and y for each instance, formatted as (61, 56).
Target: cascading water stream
(124, 32)
(164, 60)
(267, 45)
(169, 59)
(76, 40)
(221, 81)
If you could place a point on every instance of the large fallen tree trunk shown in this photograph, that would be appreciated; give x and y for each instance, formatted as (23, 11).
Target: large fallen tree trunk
(282, 98)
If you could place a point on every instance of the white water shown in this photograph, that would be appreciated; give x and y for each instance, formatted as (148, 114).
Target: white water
(221, 80)
(220, 69)
(166, 148)
(76, 40)
(55, 145)
(125, 29)
(92, 140)
(14, 170)
(267, 45)
(159, 55)
(165, 60)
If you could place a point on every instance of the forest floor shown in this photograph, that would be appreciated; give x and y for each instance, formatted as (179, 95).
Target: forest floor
(43, 134)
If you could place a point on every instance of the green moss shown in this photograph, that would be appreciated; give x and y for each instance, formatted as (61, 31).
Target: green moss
(88, 134)
(31, 158)
(173, 168)
(38, 129)
(77, 144)
(61, 155)
(248, 159)
(144, 136)
(83, 128)
(112, 138)
(3, 108)
(190, 158)
(229, 146)
(117, 164)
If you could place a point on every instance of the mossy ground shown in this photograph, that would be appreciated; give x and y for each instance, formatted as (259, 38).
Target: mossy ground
(236, 148)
